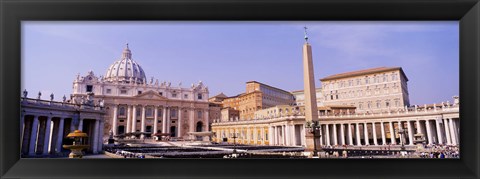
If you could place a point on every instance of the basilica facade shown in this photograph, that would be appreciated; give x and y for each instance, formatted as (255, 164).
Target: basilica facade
(144, 108)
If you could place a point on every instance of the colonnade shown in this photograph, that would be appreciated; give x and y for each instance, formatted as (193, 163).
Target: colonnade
(43, 134)
(287, 134)
(434, 131)
(254, 135)
(170, 117)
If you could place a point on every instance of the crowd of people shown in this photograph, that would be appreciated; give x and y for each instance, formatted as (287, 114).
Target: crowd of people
(125, 154)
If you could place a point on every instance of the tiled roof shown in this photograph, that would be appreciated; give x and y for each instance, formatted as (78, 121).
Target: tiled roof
(363, 72)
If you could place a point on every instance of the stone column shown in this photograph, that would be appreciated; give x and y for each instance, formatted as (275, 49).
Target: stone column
(335, 135)
(72, 125)
(46, 141)
(58, 146)
(374, 129)
(392, 134)
(303, 135)
(168, 121)
(350, 137)
(287, 134)
(419, 127)
(263, 135)
(439, 132)
(384, 137)
(192, 120)
(33, 137)
(22, 123)
(142, 124)
(456, 130)
(114, 122)
(452, 132)
(276, 135)
(357, 131)
(410, 132)
(270, 135)
(180, 121)
(80, 125)
(429, 132)
(155, 121)
(365, 131)
(206, 121)
(100, 142)
(96, 136)
(447, 131)
(342, 134)
(164, 120)
(328, 135)
(129, 119)
(134, 119)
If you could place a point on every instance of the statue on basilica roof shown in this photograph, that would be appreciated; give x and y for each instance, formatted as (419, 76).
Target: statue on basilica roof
(25, 93)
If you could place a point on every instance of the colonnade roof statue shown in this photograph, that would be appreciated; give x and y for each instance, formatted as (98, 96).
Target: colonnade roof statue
(126, 70)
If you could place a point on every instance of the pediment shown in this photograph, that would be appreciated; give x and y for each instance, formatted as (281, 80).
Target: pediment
(151, 95)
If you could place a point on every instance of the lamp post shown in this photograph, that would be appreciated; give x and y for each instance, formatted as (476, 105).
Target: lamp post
(314, 128)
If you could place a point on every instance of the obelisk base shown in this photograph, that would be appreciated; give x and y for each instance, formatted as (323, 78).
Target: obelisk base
(310, 147)
(309, 142)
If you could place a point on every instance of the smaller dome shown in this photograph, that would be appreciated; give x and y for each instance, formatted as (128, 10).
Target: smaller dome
(126, 70)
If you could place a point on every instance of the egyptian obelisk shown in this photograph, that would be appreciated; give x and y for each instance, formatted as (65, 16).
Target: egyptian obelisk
(311, 110)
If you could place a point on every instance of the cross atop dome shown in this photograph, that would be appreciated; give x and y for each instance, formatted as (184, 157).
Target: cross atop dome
(126, 52)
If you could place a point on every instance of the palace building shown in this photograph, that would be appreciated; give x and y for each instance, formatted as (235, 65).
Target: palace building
(372, 90)
(361, 108)
(135, 105)
(256, 97)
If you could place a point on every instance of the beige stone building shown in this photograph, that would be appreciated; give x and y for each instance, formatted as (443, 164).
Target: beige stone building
(372, 90)
(135, 105)
(300, 97)
(256, 97)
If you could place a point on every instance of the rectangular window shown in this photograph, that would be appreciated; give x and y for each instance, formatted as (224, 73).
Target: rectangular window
(149, 112)
(199, 96)
(160, 93)
(89, 88)
(139, 92)
(173, 113)
(185, 96)
(121, 111)
(123, 91)
(139, 112)
(174, 95)
(109, 91)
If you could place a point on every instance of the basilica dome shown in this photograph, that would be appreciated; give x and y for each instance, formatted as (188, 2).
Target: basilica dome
(126, 70)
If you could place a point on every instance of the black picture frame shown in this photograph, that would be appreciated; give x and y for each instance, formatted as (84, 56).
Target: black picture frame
(12, 12)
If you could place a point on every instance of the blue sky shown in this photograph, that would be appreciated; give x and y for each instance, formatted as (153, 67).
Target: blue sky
(225, 55)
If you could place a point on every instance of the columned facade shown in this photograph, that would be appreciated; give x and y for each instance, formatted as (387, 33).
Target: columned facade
(437, 127)
(45, 125)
